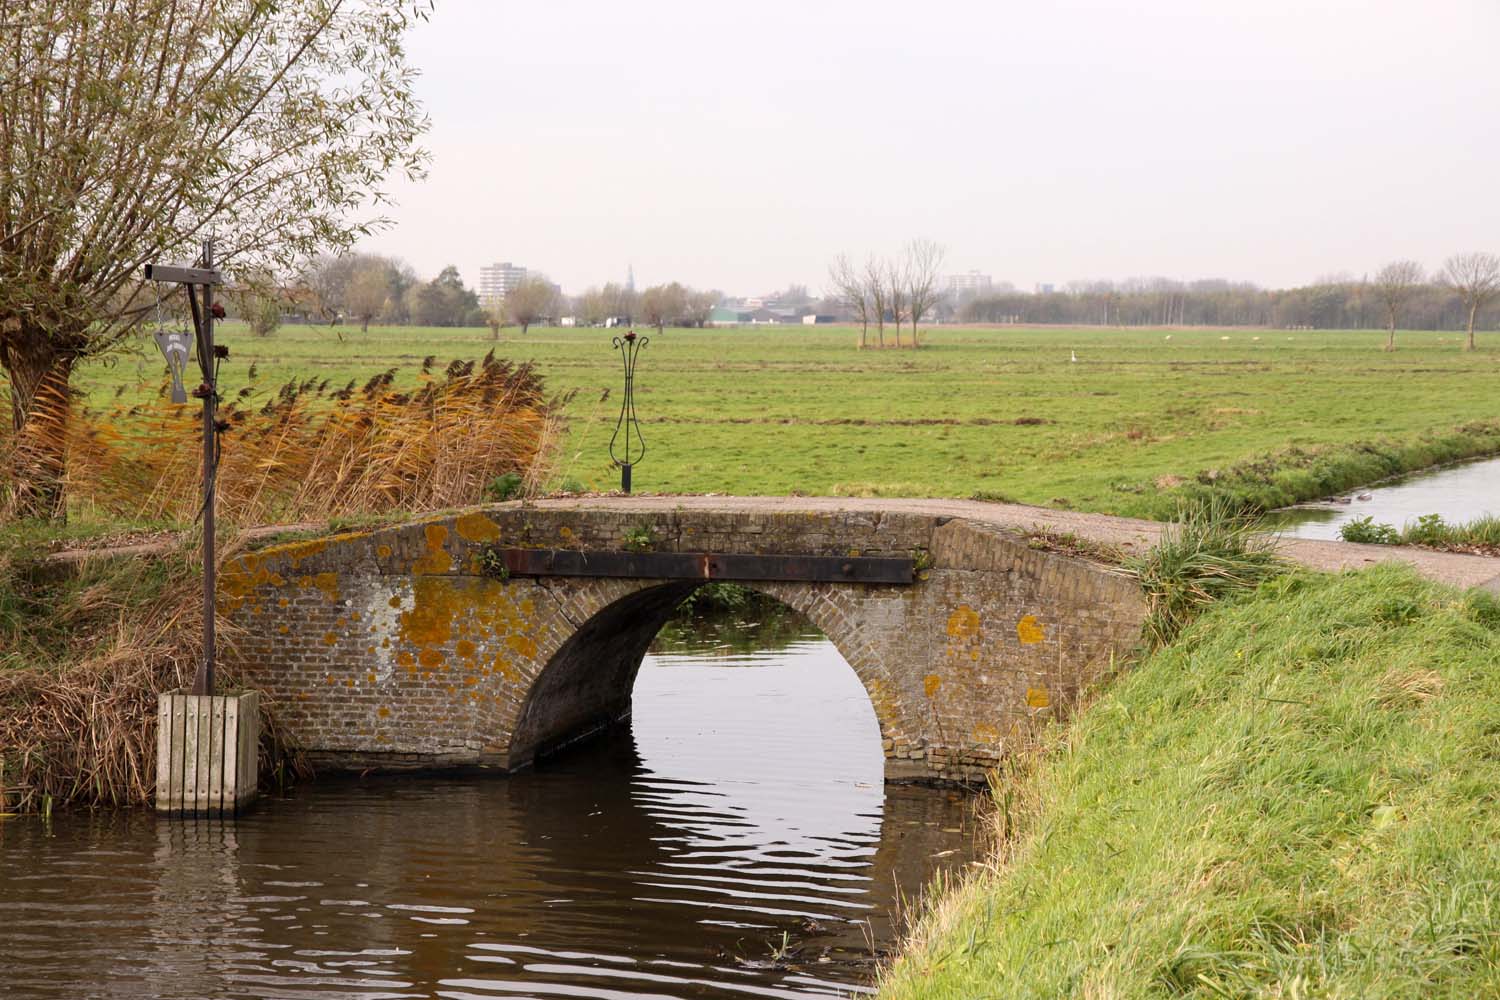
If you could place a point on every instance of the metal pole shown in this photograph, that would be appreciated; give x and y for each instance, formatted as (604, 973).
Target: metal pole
(203, 683)
(629, 347)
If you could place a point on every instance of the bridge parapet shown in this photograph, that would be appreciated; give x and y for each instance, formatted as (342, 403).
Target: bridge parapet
(404, 647)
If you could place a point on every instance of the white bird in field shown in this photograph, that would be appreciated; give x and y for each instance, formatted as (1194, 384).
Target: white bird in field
(1168, 337)
(1074, 356)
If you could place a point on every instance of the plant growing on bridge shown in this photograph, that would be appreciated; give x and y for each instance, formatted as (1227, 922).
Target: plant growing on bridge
(492, 562)
(641, 538)
(1210, 552)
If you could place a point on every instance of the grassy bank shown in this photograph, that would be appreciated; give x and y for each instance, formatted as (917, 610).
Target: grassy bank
(1296, 475)
(1298, 798)
(1000, 412)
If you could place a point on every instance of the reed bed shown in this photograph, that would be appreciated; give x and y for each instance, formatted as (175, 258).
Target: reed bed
(311, 450)
(84, 649)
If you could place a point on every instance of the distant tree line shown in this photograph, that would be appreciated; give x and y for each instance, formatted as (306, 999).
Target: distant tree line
(1462, 295)
(368, 288)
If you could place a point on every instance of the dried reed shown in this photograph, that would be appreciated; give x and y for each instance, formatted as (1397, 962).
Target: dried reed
(315, 452)
(83, 653)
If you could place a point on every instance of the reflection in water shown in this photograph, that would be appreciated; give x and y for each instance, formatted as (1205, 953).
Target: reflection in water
(1461, 493)
(668, 860)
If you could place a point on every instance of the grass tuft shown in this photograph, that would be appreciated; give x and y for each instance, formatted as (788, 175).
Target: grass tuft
(1210, 552)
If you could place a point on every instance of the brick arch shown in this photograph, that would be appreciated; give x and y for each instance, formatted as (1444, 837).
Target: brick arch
(403, 648)
(585, 685)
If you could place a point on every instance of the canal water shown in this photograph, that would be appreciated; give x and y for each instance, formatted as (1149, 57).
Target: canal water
(736, 840)
(1458, 493)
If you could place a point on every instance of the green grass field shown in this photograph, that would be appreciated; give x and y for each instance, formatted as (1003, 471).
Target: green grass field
(1001, 411)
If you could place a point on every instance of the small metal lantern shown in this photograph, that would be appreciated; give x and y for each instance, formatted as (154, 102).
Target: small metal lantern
(175, 346)
(632, 449)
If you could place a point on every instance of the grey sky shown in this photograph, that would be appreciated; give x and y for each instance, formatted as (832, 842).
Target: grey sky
(741, 146)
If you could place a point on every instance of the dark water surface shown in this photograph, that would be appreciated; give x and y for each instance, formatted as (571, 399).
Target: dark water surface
(1459, 493)
(744, 803)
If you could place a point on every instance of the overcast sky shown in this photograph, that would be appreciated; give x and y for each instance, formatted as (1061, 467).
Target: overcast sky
(741, 145)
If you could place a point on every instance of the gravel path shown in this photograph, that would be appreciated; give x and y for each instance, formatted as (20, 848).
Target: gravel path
(1128, 534)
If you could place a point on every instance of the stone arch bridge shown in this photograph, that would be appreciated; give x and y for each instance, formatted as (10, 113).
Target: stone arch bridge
(492, 637)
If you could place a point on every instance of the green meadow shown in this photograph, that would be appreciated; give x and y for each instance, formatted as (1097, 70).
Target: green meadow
(999, 412)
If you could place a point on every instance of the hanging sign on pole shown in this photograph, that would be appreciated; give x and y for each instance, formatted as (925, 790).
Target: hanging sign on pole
(175, 346)
(199, 284)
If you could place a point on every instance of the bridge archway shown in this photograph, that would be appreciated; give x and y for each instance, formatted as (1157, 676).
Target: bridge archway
(413, 646)
(586, 685)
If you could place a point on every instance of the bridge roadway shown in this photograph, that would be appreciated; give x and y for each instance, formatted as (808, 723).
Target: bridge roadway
(1132, 535)
(492, 637)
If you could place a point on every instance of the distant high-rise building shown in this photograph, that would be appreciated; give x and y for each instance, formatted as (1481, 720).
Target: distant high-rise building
(630, 277)
(498, 280)
(971, 283)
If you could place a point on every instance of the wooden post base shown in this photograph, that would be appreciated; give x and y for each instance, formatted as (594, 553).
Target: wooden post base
(206, 752)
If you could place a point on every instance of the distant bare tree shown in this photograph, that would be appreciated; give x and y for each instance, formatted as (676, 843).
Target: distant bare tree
(875, 290)
(495, 317)
(591, 307)
(368, 288)
(850, 289)
(923, 259)
(532, 299)
(620, 302)
(663, 304)
(700, 306)
(895, 291)
(1394, 284)
(1476, 279)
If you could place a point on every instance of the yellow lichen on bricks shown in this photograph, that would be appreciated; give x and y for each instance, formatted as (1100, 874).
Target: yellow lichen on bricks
(298, 551)
(1030, 631)
(986, 734)
(328, 583)
(930, 684)
(437, 559)
(1038, 697)
(963, 622)
(476, 528)
(329, 638)
(383, 551)
(522, 644)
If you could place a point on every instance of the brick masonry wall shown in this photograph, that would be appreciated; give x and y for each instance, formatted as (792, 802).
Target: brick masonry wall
(391, 649)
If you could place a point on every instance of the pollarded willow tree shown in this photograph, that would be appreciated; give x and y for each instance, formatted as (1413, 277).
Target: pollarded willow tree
(132, 129)
(1395, 284)
(1476, 278)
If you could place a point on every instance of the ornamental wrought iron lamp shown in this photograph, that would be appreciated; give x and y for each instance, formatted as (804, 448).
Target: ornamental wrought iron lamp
(626, 446)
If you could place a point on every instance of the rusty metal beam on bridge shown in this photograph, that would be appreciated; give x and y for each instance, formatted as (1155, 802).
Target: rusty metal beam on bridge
(708, 566)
